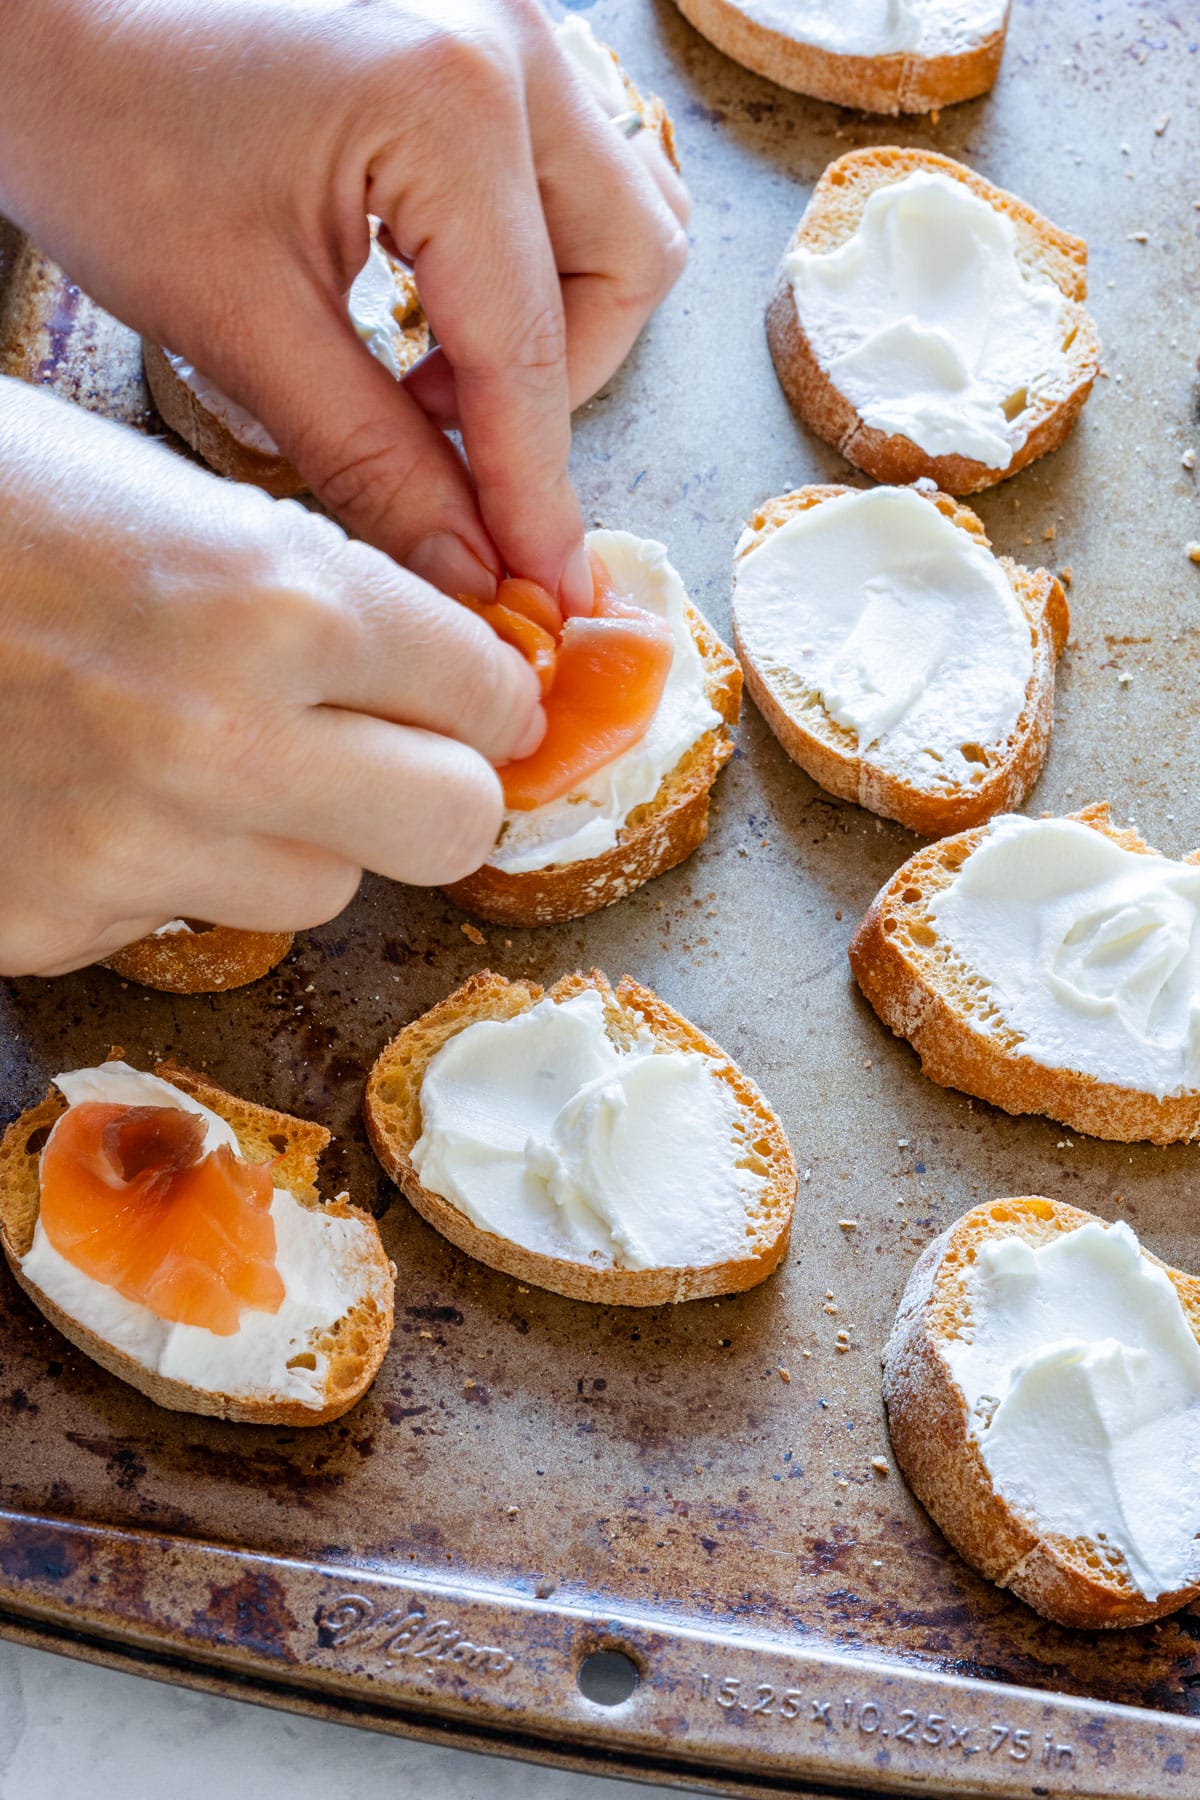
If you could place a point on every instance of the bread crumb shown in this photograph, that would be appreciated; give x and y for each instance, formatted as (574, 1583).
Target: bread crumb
(808, 1174)
(1161, 124)
(1193, 551)
(1050, 533)
(473, 933)
(902, 1143)
(784, 1374)
(867, 1064)
(847, 1224)
(880, 1465)
(807, 1354)
(513, 1511)
(1066, 575)
(830, 1307)
(1188, 459)
(1065, 1144)
(467, 1386)
(842, 1482)
(1137, 237)
(1124, 678)
(425, 1334)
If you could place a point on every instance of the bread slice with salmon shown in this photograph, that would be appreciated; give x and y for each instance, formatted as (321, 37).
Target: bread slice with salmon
(175, 1235)
(682, 1187)
(938, 657)
(928, 324)
(881, 60)
(640, 700)
(188, 957)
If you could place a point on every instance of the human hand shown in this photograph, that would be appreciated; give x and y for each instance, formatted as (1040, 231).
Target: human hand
(217, 706)
(206, 172)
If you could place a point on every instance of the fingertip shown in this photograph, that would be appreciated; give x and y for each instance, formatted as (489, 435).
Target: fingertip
(449, 563)
(531, 737)
(577, 590)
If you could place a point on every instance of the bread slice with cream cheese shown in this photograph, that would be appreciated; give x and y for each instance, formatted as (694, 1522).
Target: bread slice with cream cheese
(929, 324)
(648, 809)
(600, 1213)
(304, 1365)
(903, 57)
(1042, 1385)
(185, 957)
(1046, 965)
(938, 658)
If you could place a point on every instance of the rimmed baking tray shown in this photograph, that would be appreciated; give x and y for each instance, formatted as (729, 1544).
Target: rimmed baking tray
(530, 1480)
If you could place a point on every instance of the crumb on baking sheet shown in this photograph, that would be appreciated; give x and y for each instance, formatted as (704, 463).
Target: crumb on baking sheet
(472, 933)
(880, 1465)
(1193, 551)
(847, 1224)
(784, 1374)
(1188, 459)
(1066, 575)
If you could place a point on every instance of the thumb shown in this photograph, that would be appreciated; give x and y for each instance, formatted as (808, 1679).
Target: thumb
(361, 442)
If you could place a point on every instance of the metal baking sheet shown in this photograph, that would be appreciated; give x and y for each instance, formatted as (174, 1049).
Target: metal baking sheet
(529, 1478)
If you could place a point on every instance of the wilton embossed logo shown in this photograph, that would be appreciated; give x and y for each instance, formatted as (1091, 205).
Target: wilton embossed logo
(356, 1622)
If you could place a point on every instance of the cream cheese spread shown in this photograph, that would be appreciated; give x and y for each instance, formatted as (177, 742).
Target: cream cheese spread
(371, 304)
(903, 625)
(586, 823)
(1082, 1380)
(543, 1132)
(926, 321)
(880, 27)
(1091, 952)
(322, 1261)
(594, 61)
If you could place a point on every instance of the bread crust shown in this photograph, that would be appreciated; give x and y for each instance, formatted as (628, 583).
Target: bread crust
(900, 965)
(654, 838)
(901, 82)
(363, 1333)
(392, 1109)
(209, 959)
(829, 752)
(940, 1455)
(831, 217)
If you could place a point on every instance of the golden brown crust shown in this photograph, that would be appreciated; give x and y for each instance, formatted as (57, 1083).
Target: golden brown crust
(653, 839)
(831, 217)
(392, 1109)
(829, 752)
(208, 959)
(356, 1345)
(208, 435)
(1072, 1583)
(896, 83)
(913, 982)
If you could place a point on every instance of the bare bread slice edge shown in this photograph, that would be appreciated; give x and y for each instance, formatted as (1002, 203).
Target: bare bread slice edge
(208, 959)
(355, 1344)
(900, 964)
(829, 752)
(902, 82)
(830, 218)
(654, 838)
(392, 1110)
(1073, 1583)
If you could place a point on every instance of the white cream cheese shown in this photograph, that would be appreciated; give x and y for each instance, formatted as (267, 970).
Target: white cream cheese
(925, 320)
(880, 27)
(593, 60)
(586, 823)
(372, 305)
(1091, 952)
(173, 928)
(903, 625)
(1082, 1380)
(543, 1132)
(323, 1262)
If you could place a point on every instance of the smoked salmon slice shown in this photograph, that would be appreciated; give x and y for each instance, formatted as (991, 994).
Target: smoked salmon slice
(129, 1197)
(601, 678)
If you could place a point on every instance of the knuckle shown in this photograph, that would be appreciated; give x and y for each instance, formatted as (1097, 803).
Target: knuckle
(363, 483)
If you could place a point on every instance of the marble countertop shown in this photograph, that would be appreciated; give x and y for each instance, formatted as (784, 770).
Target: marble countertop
(69, 1728)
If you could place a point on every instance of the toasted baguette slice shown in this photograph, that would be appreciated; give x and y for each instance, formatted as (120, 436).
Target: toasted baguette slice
(652, 840)
(1072, 1581)
(830, 219)
(829, 752)
(926, 994)
(392, 1108)
(228, 438)
(898, 82)
(205, 959)
(355, 1344)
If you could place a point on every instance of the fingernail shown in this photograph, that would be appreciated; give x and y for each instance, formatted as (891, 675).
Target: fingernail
(452, 565)
(577, 589)
(529, 740)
